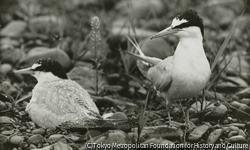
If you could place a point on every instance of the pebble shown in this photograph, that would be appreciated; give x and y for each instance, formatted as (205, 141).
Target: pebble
(14, 28)
(109, 137)
(237, 139)
(5, 69)
(91, 133)
(34, 139)
(16, 139)
(197, 133)
(158, 141)
(23, 128)
(8, 132)
(118, 115)
(214, 136)
(55, 137)
(43, 53)
(40, 131)
(158, 48)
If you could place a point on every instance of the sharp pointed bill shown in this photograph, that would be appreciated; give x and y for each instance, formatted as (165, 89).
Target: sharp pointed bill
(24, 71)
(164, 32)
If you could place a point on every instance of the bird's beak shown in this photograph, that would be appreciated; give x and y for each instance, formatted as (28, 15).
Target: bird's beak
(164, 32)
(24, 71)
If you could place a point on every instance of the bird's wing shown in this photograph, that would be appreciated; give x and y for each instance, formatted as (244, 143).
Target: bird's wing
(161, 74)
(141, 56)
(69, 97)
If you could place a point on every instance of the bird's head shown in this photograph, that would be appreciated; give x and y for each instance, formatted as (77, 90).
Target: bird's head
(187, 24)
(45, 70)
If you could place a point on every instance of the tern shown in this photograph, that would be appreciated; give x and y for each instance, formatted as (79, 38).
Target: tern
(57, 99)
(185, 74)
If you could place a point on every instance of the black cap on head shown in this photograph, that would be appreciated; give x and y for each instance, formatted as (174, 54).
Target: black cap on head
(50, 65)
(193, 19)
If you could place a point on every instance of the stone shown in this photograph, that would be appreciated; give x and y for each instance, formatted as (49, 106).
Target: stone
(141, 8)
(34, 139)
(14, 28)
(110, 137)
(158, 141)
(214, 136)
(16, 139)
(240, 110)
(8, 132)
(55, 137)
(12, 56)
(158, 48)
(163, 131)
(50, 23)
(60, 145)
(40, 131)
(85, 76)
(43, 53)
(92, 133)
(197, 133)
(5, 69)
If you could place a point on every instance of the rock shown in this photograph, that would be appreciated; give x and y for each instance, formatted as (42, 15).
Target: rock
(163, 131)
(223, 17)
(62, 146)
(158, 141)
(118, 115)
(237, 139)
(231, 84)
(16, 139)
(43, 53)
(5, 69)
(158, 48)
(108, 138)
(40, 131)
(117, 31)
(6, 120)
(8, 43)
(238, 64)
(245, 93)
(23, 128)
(92, 133)
(215, 110)
(55, 137)
(245, 101)
(232, 133)
(85, 76)
(242, 133)
(197, 133)
(141, 8)
(240, 110)
(12, 56)
(7, 88)
(214, 136)
(34, 139)
(50, 23)
(14, 28)
(8, 132)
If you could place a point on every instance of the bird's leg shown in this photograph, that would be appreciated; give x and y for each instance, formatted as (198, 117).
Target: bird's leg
(168, 107)
(187, 121)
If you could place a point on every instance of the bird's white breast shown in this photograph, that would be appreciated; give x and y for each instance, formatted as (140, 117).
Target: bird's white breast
(191, 71)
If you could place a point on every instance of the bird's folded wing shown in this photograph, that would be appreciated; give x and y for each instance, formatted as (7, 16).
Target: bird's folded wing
(69, 97)
(161, 74)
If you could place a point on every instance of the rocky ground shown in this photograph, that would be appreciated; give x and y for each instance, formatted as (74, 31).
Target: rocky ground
(63, 30)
